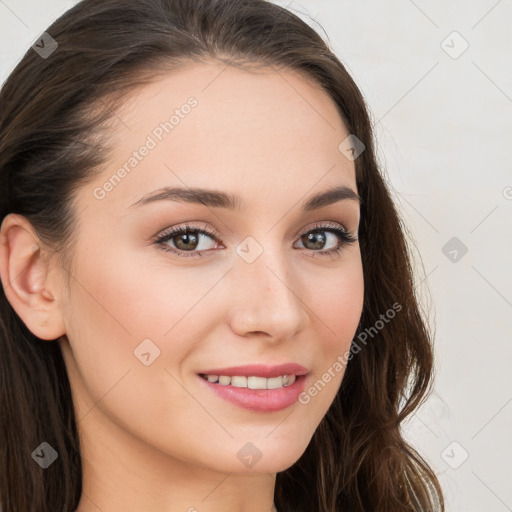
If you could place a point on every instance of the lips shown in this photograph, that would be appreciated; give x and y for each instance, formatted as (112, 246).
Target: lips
(244, 388)
(258, 400)
(258, 370)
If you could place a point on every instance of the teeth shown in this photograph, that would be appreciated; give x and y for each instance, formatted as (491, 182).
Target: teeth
(275, 382)
(288, 380)
(251, 382)
(239, 382)
(257, 382)
(225, 381)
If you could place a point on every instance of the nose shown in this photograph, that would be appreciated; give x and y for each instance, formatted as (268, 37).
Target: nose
(266, 298)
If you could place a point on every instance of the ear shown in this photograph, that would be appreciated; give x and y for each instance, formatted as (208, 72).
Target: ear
(26, 279)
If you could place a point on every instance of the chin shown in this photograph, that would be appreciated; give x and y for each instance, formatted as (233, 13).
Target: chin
(275, 459)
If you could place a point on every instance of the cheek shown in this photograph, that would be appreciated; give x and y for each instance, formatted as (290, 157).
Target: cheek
(119, 301)
(115, 304)
(338, 299)
(134, 296)
(338, 305)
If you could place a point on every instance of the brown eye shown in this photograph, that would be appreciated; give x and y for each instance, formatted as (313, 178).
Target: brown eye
(316, 239)
(187, 239)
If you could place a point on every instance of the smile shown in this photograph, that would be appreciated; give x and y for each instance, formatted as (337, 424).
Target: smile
(238, 391)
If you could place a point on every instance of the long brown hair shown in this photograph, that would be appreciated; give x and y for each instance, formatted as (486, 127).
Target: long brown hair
(52, 109)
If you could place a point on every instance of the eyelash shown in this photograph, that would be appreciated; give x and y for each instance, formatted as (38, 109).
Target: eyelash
(345, 237)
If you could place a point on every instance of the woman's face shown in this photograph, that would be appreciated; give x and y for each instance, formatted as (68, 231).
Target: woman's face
(246, 286)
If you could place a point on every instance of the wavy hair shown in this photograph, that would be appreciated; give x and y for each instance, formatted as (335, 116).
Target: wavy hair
(54, 119)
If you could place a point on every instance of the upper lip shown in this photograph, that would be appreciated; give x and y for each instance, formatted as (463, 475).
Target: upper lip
(259, 370)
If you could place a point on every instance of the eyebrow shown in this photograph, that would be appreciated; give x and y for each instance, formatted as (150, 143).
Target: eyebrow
(218, 199)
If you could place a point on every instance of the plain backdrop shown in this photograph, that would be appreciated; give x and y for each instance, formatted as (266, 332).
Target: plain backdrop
(438, 84)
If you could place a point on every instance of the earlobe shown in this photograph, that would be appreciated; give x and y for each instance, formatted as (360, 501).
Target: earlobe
(26, 279)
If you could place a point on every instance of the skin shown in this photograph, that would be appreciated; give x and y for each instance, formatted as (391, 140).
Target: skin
(153, 437)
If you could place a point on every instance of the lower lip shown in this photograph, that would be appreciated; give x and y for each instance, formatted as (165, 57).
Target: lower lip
(260, 400)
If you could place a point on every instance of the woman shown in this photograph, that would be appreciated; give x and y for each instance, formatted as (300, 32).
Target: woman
(272, 368)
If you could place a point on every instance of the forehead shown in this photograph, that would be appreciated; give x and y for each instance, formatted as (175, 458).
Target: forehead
(268, 131)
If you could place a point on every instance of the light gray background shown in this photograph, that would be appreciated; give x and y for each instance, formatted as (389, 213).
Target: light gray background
(443, 126)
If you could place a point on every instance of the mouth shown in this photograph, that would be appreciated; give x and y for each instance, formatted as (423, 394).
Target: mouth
(256, 393)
